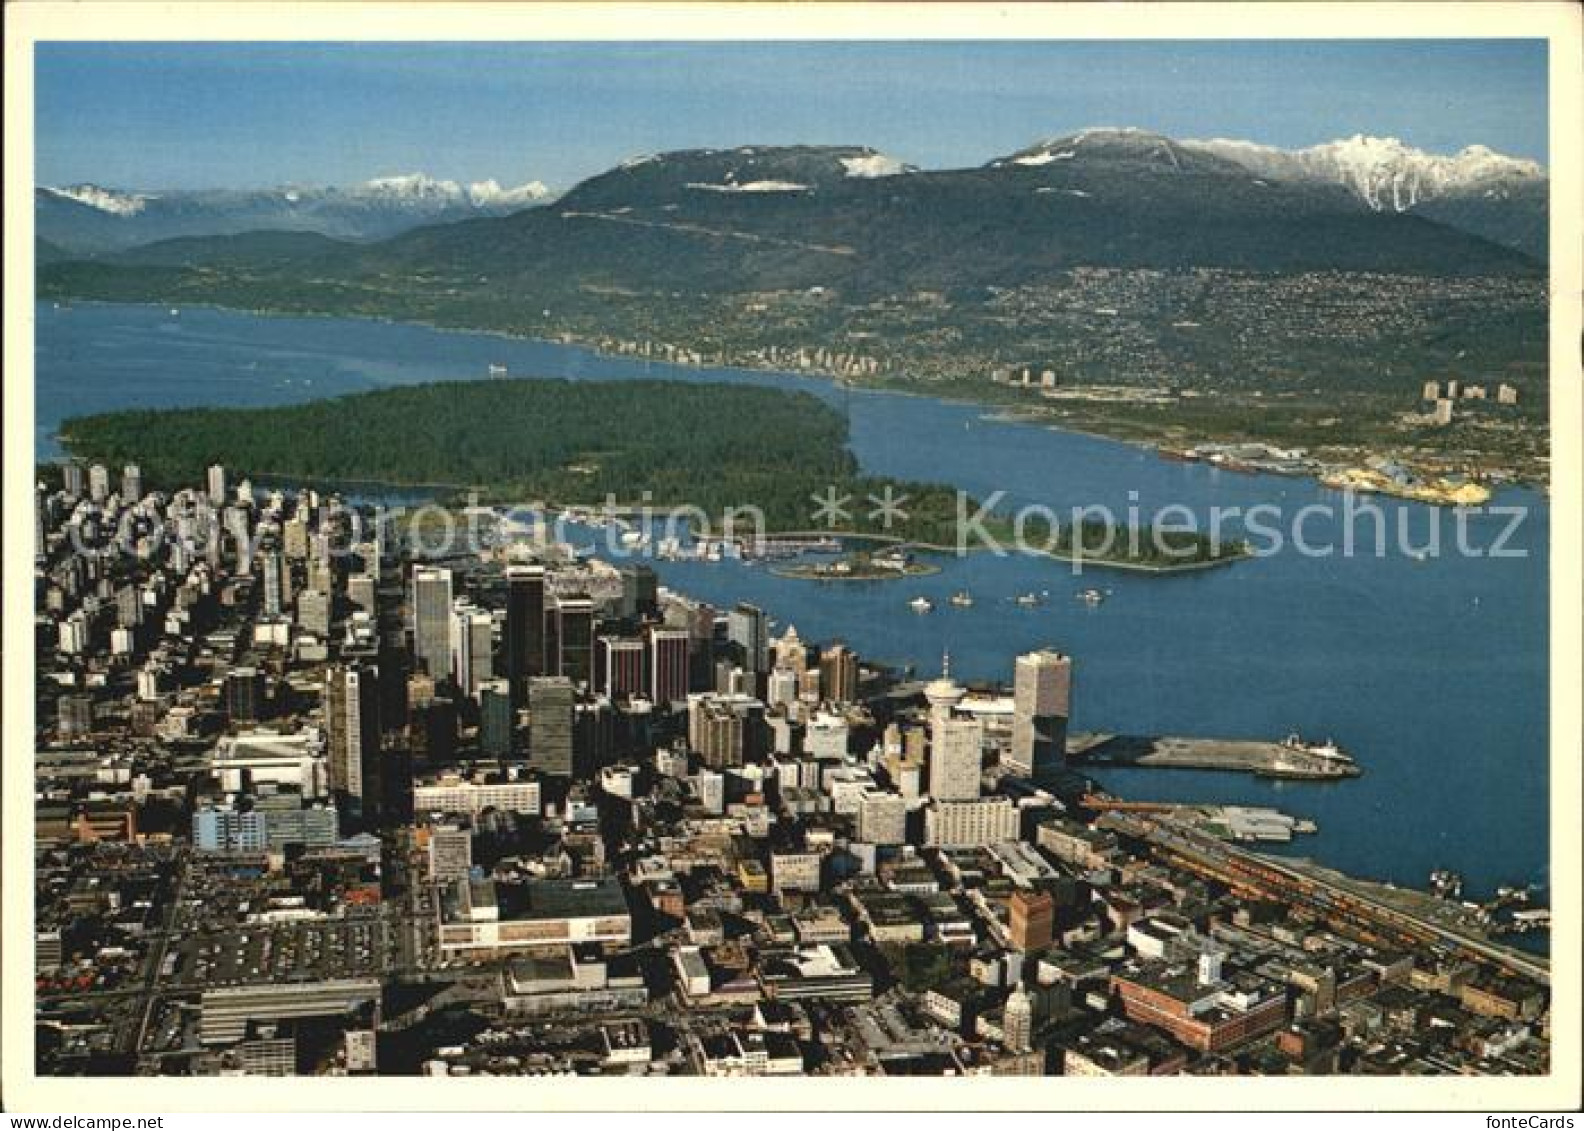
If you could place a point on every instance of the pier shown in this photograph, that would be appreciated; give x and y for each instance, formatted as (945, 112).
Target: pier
(1252, 756)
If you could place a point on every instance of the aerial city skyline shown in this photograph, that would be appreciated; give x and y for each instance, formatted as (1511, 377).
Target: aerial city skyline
(482, 703)
(1019, 559)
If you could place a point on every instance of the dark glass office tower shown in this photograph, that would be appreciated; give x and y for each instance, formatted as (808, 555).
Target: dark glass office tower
(525, 628)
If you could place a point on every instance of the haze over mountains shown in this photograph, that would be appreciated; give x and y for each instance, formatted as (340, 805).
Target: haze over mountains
(89, 219)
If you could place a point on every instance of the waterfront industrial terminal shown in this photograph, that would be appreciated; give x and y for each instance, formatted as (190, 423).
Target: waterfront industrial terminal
(1290, 758)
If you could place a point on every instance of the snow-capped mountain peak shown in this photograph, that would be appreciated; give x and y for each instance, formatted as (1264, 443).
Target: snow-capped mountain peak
(490, 194)
(92, 219)
(103, 199)
(1102, 143)
(1385, 172)
(415, 186)
(420, 188)
(875, 165)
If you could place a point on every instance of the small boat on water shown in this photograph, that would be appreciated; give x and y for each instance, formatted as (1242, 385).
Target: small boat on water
(1027, 600)
(921, 605)
(962, 599)
(497, 370)
(1091, 596)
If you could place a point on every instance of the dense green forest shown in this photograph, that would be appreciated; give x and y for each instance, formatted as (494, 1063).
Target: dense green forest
(662, 443)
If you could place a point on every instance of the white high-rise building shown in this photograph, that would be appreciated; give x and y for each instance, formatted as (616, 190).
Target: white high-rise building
(294, 536)
(452, 793)
(150, 682)
(472, 647)
(217, 485)
(956, 759)
(74, 634)
(450, 852)
(955, 743)
(275, 584)
(782, 690)
(711, 789)
(790, 652)
(431, 620)
(1017, 1020)
(962, 824)
(826, 738)
(882, 818)
(313, 612)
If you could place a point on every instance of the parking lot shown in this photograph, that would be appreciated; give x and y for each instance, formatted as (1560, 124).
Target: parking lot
(291, 951)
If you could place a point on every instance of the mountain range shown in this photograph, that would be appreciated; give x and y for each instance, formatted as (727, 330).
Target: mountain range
(88, 219)
(1341, 276)
(1501, 198)
(1476, 191)
(773, 218)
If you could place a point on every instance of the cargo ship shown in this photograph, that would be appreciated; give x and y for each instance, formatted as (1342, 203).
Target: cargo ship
(1327, 750)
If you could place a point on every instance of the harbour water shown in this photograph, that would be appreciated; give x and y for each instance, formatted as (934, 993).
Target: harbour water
(1432, 670)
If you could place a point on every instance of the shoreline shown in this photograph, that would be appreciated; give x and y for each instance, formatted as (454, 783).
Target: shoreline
(448, 494)
(1317, 475)
(275, 478)
(995, 411)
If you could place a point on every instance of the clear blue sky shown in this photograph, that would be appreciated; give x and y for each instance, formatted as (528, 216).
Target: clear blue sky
(210, 115)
